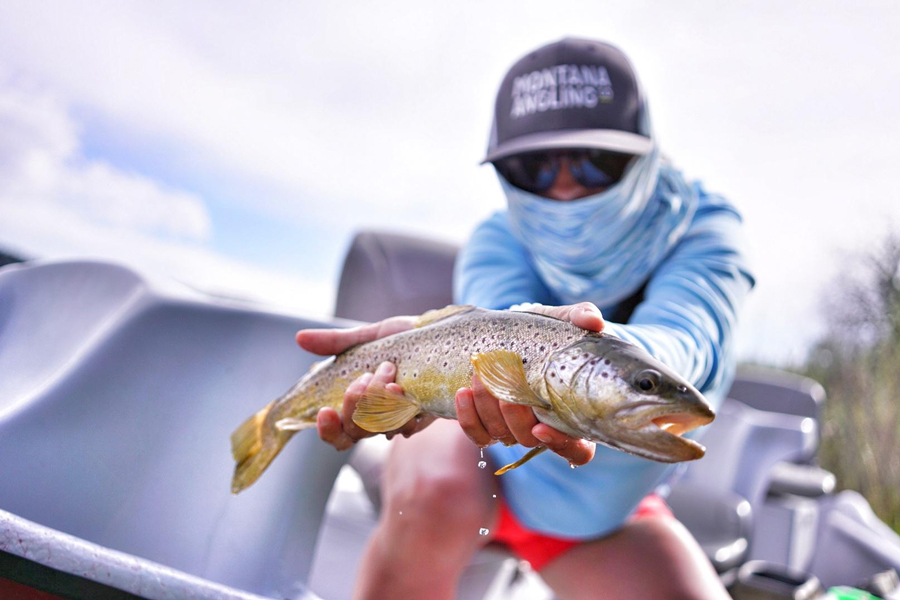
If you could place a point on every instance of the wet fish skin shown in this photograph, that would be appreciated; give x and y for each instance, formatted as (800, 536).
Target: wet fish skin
(582, 383)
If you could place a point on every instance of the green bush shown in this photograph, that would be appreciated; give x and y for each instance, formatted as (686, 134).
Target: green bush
(858, 363)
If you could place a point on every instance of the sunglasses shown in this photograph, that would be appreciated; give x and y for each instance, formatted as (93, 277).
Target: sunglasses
(536, 171)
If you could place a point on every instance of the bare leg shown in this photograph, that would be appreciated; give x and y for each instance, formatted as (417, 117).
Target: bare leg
(435, 500)
(652, 557)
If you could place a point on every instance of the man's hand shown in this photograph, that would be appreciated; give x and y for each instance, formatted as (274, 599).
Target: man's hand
(338, 429)
(486, 420)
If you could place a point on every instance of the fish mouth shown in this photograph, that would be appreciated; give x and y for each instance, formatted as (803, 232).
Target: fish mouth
(678, 424)
(666, 430)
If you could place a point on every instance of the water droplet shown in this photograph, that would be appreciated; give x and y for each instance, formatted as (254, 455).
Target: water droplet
(400, 512)
(482, 451)
(482, 464)
(484, 531)
(573, 466)
(494, 495)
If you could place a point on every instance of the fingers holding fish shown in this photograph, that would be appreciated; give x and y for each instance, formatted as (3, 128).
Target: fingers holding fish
(334, 341)
(520, 420)
(342, 432)
(577, 451)
(468, 418)
(488, 411)
(338, 429)
(331, 429)
(584, 314)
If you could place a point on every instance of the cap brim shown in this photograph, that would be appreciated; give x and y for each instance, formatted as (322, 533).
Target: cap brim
(601, 139)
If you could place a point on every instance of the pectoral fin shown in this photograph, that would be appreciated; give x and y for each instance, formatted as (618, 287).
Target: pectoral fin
(531, 454)
(503, 375)
(382, 410)
(433, 316)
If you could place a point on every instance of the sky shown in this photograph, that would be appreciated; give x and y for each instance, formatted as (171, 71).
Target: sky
(238, 148)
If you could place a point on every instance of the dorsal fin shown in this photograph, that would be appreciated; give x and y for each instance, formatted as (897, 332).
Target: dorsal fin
(438, 314)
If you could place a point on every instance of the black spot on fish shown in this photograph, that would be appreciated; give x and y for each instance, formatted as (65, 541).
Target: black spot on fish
(543, 348)
(562, 367)
(604, 374)
(607, 361)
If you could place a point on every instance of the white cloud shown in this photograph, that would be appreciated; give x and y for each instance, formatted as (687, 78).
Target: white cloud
(58, 204)
(41, 165)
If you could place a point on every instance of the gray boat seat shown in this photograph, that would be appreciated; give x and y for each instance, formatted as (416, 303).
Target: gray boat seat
(743, 446)
(777, 391)
(387, 274)
(859, 544)
(118, 396)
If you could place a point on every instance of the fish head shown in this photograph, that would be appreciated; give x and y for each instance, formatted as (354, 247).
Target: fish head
(611, 391)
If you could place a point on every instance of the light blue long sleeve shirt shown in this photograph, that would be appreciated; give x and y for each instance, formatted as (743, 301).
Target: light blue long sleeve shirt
(687, 319)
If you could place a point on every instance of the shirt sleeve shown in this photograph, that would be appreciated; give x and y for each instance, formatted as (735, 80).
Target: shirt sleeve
(688, 317)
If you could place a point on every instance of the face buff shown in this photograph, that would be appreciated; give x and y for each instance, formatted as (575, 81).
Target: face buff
(603, 247)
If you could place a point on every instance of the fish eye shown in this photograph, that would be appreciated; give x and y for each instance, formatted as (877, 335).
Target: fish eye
(647, 381)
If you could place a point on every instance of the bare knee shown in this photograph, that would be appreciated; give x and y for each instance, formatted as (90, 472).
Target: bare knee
(433, 487)
(444, 504)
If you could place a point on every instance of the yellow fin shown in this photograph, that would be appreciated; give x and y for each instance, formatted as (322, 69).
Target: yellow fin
(531, 454)
(432, 316)
(502, 373)
(381, 410)
(247, 439)
(254, 446)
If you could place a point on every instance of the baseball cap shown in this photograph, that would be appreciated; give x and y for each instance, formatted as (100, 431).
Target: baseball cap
(574, 93)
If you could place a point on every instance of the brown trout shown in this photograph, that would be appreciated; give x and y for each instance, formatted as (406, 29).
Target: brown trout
(586, 384)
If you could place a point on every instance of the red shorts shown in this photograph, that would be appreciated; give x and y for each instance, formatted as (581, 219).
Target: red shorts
(539, 549)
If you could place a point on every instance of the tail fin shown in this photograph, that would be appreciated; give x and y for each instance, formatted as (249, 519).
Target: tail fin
(254, 447)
